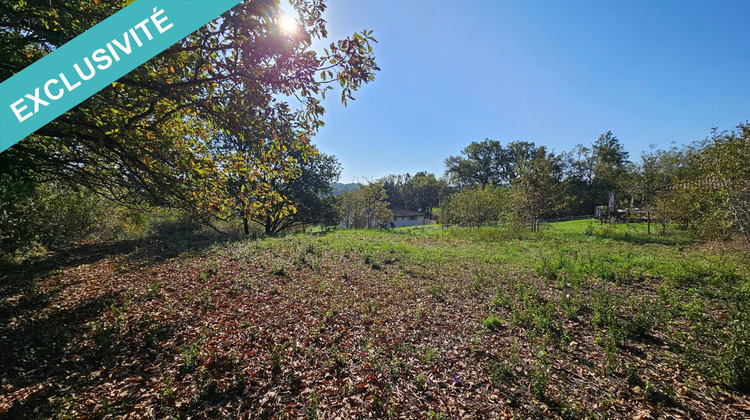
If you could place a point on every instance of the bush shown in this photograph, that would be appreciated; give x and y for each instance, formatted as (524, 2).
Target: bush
(52, 214)
(735, 358)
(492, 323)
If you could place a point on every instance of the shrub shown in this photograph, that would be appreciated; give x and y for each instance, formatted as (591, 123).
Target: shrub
(735, 357)
(492, 323)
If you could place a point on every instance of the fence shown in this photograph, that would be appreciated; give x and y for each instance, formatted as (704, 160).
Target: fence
(568, 218)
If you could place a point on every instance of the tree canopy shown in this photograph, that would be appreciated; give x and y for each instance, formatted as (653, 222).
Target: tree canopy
(365, 207)
(147, 139)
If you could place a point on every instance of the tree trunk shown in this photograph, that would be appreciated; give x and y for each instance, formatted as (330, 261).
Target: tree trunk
(246, 225)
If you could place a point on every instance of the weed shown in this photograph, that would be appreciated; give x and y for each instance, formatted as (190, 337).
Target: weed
(480, 281)
(501, 300)
(570, 306)
(207, 387)
(336, 358)
(63, 408)
(380, 400)
(539, 378)
(609, 340)
(206, 299)
(420, 382)
(151, 335)
(434, 415)
(167, 389)
(191, 357)
(347, 389)
(276, 358)
(430, 356)
(604, 308)
(105, 407)
(331, 314)
(475, 343)
(438, 290)
(154, 289)
(735, 357)
(311, 409)
(631, 375)
(279, 269)
(104, 334)
(499, 371)
(492, 323)
(659, 396)
(545, 322)
(640, 324)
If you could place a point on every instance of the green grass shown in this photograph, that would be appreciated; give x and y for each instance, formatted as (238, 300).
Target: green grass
(581, 318)
(597, 267)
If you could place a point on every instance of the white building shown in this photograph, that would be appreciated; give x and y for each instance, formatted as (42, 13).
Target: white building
(403, 217)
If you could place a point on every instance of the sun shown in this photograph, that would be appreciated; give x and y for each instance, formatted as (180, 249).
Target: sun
(287, 24)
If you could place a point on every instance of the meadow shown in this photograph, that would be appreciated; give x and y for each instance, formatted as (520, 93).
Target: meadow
(580, 320)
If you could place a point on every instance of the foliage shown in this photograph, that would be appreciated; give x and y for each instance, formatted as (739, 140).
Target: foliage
(536, 191)
(53, 214)
(365, 207)
(304, 199)
(487, 162)
(473, 206)
(711, 192)
(724, 163)
(596, 171)
(146, 139)
(421, 192)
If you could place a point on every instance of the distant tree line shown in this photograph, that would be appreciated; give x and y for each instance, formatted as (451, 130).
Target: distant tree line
(703, 186)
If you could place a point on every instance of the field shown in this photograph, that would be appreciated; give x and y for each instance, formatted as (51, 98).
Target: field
(577, 321)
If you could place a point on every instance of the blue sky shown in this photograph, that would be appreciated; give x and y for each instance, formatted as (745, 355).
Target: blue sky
(557, 73)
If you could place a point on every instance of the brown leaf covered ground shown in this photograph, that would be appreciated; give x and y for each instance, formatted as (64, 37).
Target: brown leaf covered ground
(404, 324)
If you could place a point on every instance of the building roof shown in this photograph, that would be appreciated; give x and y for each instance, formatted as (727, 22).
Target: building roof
(402, 212)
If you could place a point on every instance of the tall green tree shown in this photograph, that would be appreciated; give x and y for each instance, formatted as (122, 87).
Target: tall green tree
(308, 195)
(424, 192)
(421, 192)
(596, 171)
(473, 206)
(146, 139)
(488, 162)
(365, 208)
(536, 192)
(726, 176)
(483, 163)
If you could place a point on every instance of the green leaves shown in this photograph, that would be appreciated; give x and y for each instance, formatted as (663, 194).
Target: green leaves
(157, 136)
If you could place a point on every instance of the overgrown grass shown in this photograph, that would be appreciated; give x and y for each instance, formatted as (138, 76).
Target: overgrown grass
(576, 320)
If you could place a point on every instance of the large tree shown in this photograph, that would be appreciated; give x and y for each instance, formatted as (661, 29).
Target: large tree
(488, 162)
(473, 206)
(485, 162)
(146, 139)
(365, 207)
(304, 200)
(424, 192)
(536, 192)
(421, 192)
(724, 162)
(596, 171)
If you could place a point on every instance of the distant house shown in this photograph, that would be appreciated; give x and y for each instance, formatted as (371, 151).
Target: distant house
(403, 217)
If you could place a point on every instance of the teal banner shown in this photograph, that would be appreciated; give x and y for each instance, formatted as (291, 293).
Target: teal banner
(93, 60)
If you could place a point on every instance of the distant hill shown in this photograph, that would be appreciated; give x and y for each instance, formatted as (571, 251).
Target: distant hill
(339, 188)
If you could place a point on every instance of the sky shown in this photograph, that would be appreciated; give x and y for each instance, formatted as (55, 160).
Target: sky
(557, 73)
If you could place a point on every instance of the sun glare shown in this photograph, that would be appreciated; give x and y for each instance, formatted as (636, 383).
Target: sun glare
(287, 24)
